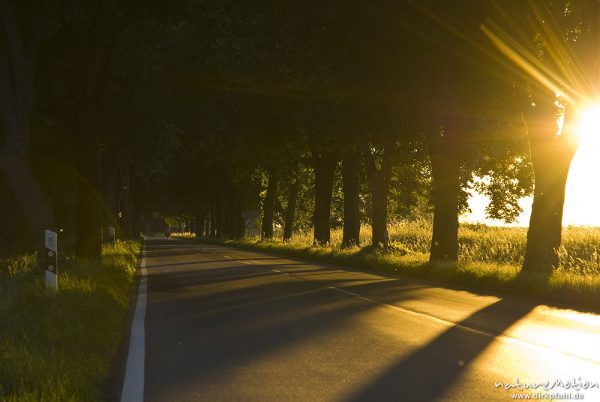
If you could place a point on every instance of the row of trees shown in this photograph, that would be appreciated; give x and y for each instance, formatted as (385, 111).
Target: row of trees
(316, 114)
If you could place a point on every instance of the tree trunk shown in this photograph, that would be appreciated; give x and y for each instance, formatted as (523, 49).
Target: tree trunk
(445, 172)
(110, 173)
(200, 222)
(220, 221)
(137, 197)
(206, 222)
(291, 209)
(124, 209)
(379, 183)
(241, 223)
(379, 218)
(351, 178)
(91, 93)
(269, 207)
(89, 208)
(237, 220)
(230, 221)
(324, 168)
(16, 104)
(15, 167)
(551, 157)
(213, 219)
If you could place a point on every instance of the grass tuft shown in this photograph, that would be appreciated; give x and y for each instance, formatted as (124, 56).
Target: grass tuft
(59, 345)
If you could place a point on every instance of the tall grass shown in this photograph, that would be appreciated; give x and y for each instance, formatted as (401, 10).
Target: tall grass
(59, 345)
(490, 258)
(580, 251)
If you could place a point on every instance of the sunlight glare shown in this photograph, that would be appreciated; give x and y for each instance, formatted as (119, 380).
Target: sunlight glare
(582, 194)
(588, 127)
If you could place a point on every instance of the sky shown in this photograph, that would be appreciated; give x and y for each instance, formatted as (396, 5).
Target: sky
(582, 197)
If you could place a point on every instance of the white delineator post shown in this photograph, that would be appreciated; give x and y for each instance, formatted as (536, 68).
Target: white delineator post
(51, 259)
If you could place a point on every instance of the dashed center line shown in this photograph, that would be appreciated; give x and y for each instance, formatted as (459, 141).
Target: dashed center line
(499, 337)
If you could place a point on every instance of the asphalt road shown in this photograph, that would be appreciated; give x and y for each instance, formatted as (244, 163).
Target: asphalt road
(224, 324)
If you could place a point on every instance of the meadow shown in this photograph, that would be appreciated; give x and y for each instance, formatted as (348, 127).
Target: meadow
(490, 259)
(60, 345)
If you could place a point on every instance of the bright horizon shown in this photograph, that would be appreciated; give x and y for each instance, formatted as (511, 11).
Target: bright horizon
(582, 196)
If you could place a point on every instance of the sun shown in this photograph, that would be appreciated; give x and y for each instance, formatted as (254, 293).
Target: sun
(582, 195)
(588, 125)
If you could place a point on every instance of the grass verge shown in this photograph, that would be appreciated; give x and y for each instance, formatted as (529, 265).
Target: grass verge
(566, 286)
(59, 345)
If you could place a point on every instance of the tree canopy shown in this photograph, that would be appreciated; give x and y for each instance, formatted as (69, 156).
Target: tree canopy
(312, 114)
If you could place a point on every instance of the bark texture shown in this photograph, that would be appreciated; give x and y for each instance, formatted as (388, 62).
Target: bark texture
(378, 178)
(444, 153)
(551, 157)
(269, 207)
(291, 209)
(324, 169)
(351, 184)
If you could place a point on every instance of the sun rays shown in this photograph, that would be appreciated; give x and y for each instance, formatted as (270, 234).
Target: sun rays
(557, 66)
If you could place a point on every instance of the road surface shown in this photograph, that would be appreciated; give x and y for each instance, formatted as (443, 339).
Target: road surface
(224, 324)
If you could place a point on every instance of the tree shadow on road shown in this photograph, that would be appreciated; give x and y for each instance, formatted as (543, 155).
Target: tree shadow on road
(429, 372)
(205, 326)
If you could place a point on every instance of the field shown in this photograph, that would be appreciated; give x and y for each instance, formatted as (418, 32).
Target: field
(490, 259)
(60, 345)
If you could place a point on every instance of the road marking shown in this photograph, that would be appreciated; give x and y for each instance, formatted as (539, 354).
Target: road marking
(357, 295)
(500, 337)
(265, 301)
(245, 262)
(416, 313)
(228, 257)
(133, 385)
(285, 273)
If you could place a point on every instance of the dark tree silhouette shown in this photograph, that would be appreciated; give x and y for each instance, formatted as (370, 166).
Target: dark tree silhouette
(23, 31)
(269, 206)
(351, 177)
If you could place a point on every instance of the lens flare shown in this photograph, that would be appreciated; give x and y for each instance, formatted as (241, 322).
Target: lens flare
(582, 195)
(588, 127)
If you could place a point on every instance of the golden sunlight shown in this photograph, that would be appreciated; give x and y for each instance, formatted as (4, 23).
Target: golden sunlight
(588, 126)
(583, 191)
(582, 197)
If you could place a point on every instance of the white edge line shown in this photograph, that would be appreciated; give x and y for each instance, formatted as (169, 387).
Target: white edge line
(133, 385)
